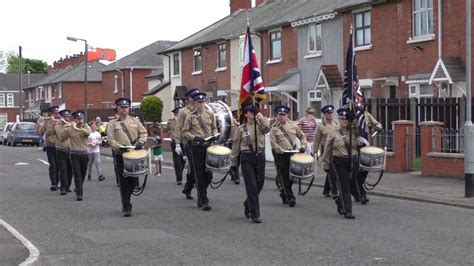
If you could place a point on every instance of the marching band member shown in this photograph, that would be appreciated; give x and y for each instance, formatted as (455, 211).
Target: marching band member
(186, 146)
(62, 151)
(283, 139)
(46, 126)
(78, 132)
(125, 131)
(178, 160)
(252, 158)
(337, 160)
(199, 125)
(324, 127)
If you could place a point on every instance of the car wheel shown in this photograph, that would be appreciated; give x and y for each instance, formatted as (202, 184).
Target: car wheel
(14, 144)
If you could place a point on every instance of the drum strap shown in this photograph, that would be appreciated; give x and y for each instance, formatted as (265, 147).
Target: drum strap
(247, 138)
(203, 126)
(125, 129)
(287, 136)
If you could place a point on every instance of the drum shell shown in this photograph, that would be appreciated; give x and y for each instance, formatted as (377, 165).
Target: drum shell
(218, 162)
(223, 116)
(371, 161)
(136, 167)
(301, 170)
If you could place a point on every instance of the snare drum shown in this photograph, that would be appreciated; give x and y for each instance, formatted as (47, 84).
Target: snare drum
(218, 158)
(135, 163)
(371, 158)
(301, 166)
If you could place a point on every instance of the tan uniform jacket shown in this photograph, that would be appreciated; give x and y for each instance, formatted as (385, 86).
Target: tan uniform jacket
(117, 137)
(371, 121)
(46, 126)
(192, 128)
(173, 127)
(62, 142)
(181, 117)
(77, 136)
(280, 142)
(240, 140)
(336, 145)
(322, 131)
(233, 128)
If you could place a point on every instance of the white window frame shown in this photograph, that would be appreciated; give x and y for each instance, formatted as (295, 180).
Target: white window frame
(10, 100)
(414, 91)
(425, 12)
(221, 59)
(176, 55)
(365, 26)
(30, 95)
(2, 99)
(115, 84)
(315, 28)
(197, 53)
(36, 93)
(60, 91)
(315, 95)
(41, 93)
(277, 39)
(48, 94)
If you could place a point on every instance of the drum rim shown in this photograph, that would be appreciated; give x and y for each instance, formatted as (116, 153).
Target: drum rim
(228, 151)
(363, 150)
(135, 151)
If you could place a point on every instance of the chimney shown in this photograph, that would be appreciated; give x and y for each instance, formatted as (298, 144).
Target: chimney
(236, 5)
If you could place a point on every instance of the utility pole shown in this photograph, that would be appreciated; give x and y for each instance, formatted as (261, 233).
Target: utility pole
(20, 87)
(468, 127)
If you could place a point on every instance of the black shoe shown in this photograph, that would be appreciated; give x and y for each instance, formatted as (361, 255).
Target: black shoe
(206, 207)
(79, 198)
(340, 210)
(53, 188)
(179, 183)
(199, 204)
(188, 195)
(349, 216)
(89, 178)
(236, 181)
(334, 197)
(364, 200)
(246, 210)
(68, 190)
(356, 199)
(127, 212)
(326, 194)
(283, 198)
(292, 202)
(63, 192)
(256, 220)
(101, 178)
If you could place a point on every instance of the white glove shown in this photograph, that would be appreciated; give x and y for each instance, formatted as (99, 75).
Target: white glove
(178, 149)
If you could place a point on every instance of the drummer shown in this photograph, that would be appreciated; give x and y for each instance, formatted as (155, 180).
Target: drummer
(283, 140)
(199, 125)
(183, 146)
(253, 161)
(125, 131)
(337, 160)
(178, 159)
(324, 127)
(46, 126)
(62, 152)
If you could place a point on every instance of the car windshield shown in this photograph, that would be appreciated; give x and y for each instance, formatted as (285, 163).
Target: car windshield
(26, 126)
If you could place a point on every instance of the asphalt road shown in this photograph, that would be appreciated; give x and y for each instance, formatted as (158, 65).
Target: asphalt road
(165, 228)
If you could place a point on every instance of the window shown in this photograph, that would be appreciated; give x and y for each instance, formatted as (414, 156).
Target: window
(41, 93)
(10, 100)
(362, 29)
(275, 45)
(2, 100)
(241, 49)
(36, 93)
(115, 83)
(314, 38)
(60, 91)
(221, 56)
(175, 64)
(315, 95)
(422, 17)
(30, 95)
(48, 94)
(197, 60)
(420, 91)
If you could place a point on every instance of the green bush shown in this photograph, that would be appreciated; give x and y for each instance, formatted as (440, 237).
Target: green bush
(151, 108)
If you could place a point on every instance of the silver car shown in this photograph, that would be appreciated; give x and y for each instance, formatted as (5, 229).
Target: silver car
(23, 133)
(4, 132)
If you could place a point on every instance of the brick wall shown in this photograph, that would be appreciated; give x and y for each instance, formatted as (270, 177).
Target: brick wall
(139, 84)
(397, 162)
(73, 95)
(11, 113)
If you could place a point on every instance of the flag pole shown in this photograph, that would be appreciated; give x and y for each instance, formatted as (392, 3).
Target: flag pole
(351, 115)
(252, 86)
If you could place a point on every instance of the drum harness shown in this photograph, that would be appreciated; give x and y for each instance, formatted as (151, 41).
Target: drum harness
(367, 185)
(300, 191)
(138, 190)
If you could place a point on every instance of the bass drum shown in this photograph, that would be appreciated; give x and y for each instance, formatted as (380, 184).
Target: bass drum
(223, 116)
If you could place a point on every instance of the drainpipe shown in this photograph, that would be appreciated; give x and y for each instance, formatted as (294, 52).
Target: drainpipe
(131, 84)
(169, 75)
(440, 29)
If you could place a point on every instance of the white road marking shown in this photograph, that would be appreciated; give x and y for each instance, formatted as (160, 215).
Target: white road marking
(34, 252)
(21, 163)
(43, 161)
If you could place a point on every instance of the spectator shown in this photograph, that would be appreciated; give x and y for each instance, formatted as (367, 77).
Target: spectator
(93, 149)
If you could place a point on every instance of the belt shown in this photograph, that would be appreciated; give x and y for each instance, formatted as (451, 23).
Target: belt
(78, 152)
(249, 151)
(62, 149)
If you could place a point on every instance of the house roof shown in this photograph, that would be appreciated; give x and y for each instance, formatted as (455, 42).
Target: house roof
(145, 58)
(9, 82)
(333, 76)
(269, 15)
(450, 69)
(155, 74)
(157, 88)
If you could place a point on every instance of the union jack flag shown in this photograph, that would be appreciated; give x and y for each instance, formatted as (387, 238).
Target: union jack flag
(252, 87)
(352, 97)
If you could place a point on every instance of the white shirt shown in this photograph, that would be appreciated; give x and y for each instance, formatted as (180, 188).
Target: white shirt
(93, 142)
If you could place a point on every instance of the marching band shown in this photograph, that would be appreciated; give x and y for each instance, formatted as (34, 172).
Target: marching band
(198, 141)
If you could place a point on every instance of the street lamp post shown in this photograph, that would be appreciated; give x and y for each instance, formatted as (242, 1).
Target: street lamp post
(74, 39)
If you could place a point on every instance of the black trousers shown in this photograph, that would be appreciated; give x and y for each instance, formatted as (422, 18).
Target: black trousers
(253, 171)
(330, 182)
(127, 184)
(277, 177)
(65, 169)
(203, 176)
(79, 168)
(342, 167)
(361, 177)
(190, 176)
(178, 163)
(115, 169)
(283, 162)
(53, 165)
(234, 173)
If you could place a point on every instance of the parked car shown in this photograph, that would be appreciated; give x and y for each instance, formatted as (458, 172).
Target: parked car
(23, 133)
(4, 132)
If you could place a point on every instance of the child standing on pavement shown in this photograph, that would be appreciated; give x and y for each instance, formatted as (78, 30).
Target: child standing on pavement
(157, 151)
(93, 150)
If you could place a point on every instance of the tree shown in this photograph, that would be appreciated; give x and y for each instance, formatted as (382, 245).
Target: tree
(35, 66)
(151, 108)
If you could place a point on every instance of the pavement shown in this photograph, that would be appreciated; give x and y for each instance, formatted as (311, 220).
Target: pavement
(409, 186)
